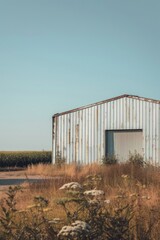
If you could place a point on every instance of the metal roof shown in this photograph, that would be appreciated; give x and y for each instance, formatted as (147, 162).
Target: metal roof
(109, 100)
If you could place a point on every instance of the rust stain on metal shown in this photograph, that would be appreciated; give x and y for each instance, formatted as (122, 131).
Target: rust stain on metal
(77, 142)
(69, 136)
(128, 113)
(97, 117)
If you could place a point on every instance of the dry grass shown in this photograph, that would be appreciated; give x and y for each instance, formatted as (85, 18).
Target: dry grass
(70, 170)
(139, 179)
(122, 184)
(111, 173)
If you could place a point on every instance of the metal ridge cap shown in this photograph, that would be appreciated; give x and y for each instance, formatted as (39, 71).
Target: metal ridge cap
(107, 100)
(144, 98)
(91, 105)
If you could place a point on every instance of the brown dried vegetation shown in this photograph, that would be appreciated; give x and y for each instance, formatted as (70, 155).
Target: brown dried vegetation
(128, 210)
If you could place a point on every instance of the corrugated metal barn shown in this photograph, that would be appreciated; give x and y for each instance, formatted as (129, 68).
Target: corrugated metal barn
(117, 126)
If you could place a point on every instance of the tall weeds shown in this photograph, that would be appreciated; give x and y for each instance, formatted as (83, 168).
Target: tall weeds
(118, 201)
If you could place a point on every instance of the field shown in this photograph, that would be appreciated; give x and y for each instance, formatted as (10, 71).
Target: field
(119, 201)
(22, 159)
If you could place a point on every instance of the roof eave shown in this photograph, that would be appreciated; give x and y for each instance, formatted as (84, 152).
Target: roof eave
(107, 100)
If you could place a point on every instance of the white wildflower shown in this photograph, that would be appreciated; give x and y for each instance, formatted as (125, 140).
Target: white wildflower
(93, 202)
(107, 201)
(146, 197)
(55, 220)
(124, 176)
(76, 228)
(94, 192)
(120, 196)
(71, 185)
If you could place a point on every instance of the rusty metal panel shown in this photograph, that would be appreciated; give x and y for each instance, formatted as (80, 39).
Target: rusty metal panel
(79, 134)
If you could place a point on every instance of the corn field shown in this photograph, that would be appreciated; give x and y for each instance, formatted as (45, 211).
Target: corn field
(23, 159)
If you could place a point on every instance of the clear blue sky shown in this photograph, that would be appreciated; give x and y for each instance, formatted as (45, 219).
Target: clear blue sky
(56, 55)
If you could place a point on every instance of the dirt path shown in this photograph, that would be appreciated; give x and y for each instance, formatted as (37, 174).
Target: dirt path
(16, 178)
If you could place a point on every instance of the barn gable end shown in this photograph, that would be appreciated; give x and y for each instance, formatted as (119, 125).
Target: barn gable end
(117, 125)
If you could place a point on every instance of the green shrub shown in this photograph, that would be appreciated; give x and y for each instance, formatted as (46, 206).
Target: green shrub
(109, 160)
(136, 159)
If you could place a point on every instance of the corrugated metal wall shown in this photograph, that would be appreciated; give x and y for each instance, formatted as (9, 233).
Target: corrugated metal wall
(79, 135)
